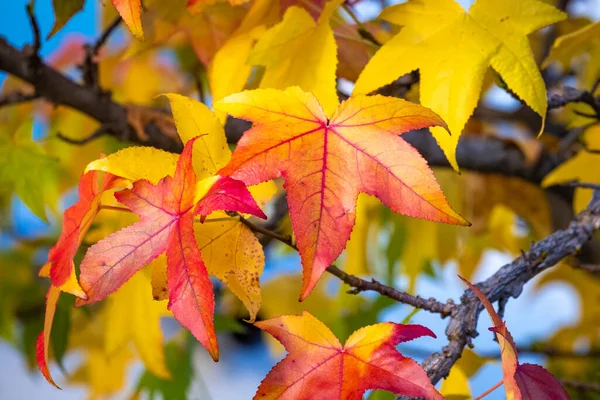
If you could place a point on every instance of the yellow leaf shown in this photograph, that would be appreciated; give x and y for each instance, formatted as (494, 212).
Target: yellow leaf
(193, 119)
(584, 40)
(456, 385)
(300, 52)
(134, 163)
(583, 167)
(357, 262)
(160, 290)
(135, 317)
(453, 49)
(103, 376)
(233, 254)
(229, 70)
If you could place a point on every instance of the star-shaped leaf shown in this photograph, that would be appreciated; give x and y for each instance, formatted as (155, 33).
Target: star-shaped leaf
(167, 213)
(318, 366)
(327, 160)
(453, 48)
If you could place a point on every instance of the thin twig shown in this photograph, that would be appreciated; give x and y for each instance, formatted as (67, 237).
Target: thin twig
(106, 34)
(581, 386)
(113, 208)
(89, 68)
(17, 97)
(361, 285)
(37, 42)
(548, 351)
(584, 185)
(362, 30)
(257, 228)
(103, 130)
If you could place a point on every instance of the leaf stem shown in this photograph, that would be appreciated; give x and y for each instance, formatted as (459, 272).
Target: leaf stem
(362, 30)
(114, 208)
(490, 390)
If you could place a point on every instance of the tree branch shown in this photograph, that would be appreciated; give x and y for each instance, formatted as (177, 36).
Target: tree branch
(480, 154)
(361, 285)
(17, 97)
(508, 281)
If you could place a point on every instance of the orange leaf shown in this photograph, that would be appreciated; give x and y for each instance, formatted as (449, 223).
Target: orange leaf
(167, 213)
(43, 341)
(76, 222)
(318, 366)
(326, 161)
(130, 11)
(521, 381)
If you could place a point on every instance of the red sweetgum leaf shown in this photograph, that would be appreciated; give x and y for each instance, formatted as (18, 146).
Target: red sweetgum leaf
(43, 341)
(521, 381)
(326, 161)
(535, 382)
(167, 213)
(318, 366)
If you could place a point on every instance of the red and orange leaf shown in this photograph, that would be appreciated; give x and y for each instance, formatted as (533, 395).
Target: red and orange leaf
(76, 222)
(167, 213)
(327, 160)
(43, 341)
(521, 381)
(131, 12)
(318, 366)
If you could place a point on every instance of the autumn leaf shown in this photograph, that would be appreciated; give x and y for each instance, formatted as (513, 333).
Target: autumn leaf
(318, 365)
(26, 169)
(43, 341)
(452, 49)
(300, 52)
(167, 213)
(60, 266)
(63, 12)
(521, 381)
(582, 167)
(583, 40)
(76, 222)
(130, 11)
(328, 159)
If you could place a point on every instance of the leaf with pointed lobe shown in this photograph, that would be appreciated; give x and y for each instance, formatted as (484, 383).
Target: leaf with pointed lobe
(521, 381)
(453, 48)
(167, 213)
(327, 160)
(319, 366)
(43, 341)
(130, 11)
(76, 222)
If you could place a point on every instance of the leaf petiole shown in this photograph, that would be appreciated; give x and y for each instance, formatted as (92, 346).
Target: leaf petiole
(490, 390)
(114, 208)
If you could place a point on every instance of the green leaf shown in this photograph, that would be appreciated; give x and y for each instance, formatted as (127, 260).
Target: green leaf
(179, 362)
(26, 169)
(408, 318)
(63, 12)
